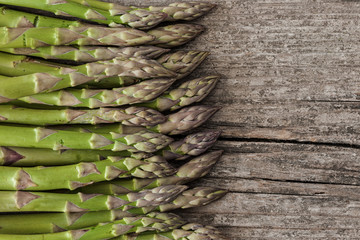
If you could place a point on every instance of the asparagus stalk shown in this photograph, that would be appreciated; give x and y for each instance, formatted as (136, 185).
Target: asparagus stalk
(37, 137)
(181, 62)
(18, 19)
(22, 201)
(177, 123)
(90, 35)
(59, 222)
(194, 169)
(131, 116)
(69, 77)
(162, 222)
(96, 98)
(88, 53)
(81, 174)
(192, 145)
(175, 35)
(186, 94)
(175, 11)
(28, 157)
(136, 18)
(191, 231)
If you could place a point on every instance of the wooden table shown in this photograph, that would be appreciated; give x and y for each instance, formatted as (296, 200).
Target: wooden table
(290, 118)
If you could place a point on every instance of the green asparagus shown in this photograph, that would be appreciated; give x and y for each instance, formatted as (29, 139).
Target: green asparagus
(92, 35)
(37, 137)
(191, 231)
(194, 169)
(131, 116)
(88, 53)
(158, 222)
(37, 223)
(181, 63)
(30, 157)
(137, 18)
(186, 94)
(22, 201)
(96, 98)
(179, 122)
(81, 174)
(175, 35)
(69, 77)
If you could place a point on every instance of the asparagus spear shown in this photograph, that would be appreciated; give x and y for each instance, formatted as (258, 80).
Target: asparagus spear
(88, 53)
(181, 62)
(194, 169)
(191, 231)
(179, 122)
(175, 35)
(22, 201)
(67, 77)
(137, 18)
(95, 98)
(37, 137)
(59, 222)
(131, 116)
(175, 11)
(92, 35)
(186, 94)
(28, 157)
(192, 145)
(81, 174)
(163, 222)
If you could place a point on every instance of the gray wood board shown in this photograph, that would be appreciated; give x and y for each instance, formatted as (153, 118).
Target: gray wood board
(290, 99)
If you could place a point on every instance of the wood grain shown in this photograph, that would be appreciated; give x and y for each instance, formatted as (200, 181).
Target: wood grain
(290, 99)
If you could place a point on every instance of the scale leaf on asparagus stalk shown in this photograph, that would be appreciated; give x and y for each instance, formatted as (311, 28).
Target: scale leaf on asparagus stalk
(23, 201)
(81, 174)
(157, 222)
(37, 137)
(136, 18)
(70, 77)
(194, 169)
(131, 116)
(96, 98)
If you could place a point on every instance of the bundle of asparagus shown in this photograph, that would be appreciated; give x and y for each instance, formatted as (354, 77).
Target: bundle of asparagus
(88, 144)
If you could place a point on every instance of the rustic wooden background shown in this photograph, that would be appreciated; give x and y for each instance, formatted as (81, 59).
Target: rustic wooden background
(290, 99)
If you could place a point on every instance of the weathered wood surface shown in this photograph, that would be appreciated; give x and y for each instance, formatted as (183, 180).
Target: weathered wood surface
(290, 101)
(291, 74)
